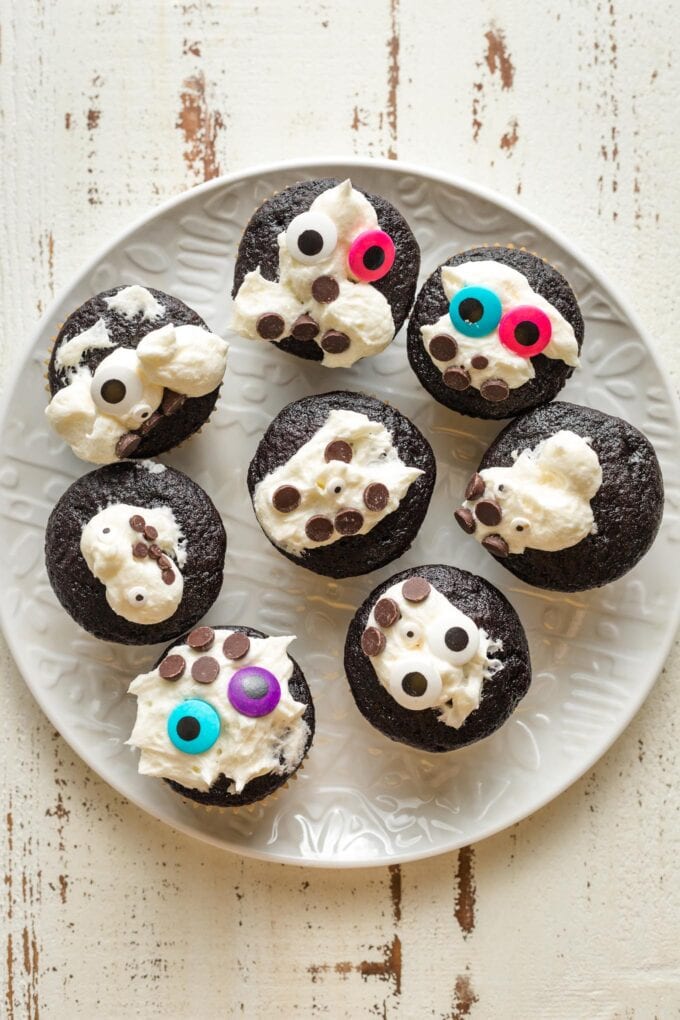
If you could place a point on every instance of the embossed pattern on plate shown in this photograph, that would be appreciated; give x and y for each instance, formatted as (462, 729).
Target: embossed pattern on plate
(360, 799)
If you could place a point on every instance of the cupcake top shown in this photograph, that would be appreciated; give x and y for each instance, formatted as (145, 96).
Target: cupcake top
(340, 279)
(132, 373)
(219, 705)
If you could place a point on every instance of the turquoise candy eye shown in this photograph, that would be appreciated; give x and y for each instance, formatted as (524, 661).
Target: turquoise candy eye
(475, 311)
(193, 726)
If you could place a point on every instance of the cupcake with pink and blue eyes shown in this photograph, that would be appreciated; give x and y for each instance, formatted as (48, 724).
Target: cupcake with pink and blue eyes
(495, 332)
(225, 716)
(325, 271)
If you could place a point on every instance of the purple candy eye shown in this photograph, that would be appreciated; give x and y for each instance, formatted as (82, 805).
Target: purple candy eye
(254, 691)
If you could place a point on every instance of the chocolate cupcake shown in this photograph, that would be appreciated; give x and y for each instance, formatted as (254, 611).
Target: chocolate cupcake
(341, 482)
(436, 658)
(135, 552)
(225, 716)
(133, 372)
(494, 332)
(566, 497)
(326, 272)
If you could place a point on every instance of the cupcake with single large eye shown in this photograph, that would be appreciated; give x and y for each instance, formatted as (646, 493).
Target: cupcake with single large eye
(566, 497)
(225, 716)
(436, 658)
(325, 272)
(133, 373)
(135, 552)
(341, 483)
(494, 332)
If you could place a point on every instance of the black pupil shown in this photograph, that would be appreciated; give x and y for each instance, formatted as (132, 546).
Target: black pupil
(456, 639)
(374, 257)
(414, 684)
(188, 728)
(310, 242)
(255, 687)
(471, 310)
(139, 598)
(113, 391)
(338, 488)
(526, 333)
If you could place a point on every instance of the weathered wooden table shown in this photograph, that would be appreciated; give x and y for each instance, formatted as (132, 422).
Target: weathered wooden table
(110, 106)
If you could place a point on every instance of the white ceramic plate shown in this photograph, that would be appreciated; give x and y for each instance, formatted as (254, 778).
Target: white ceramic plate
(360, 798)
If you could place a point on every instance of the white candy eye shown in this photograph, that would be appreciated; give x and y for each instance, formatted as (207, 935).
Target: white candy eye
(335, 486)
(311, 237)
(410, 633)
(415, 684)
(136, 596)
(456, 641)
(116, 388)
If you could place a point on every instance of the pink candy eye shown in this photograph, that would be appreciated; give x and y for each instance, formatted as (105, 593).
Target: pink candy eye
(371, 256)
(525, 330)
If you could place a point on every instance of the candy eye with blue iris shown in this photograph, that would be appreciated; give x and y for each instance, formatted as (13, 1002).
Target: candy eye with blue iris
(193, 726)
(254, 691)
(475, 311)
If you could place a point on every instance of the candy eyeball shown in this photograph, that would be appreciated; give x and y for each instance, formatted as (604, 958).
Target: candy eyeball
(137, 595)
(415, 684)
(525, 330)
(116, 388)
(254, 691)
(475, 311)
(457, 642)
(371, 256)
(410, 633)
(311, 237)
(193, 726)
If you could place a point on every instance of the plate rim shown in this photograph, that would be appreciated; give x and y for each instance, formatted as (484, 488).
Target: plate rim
(304, 167)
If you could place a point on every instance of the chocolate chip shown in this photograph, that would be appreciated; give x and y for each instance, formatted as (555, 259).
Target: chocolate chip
(325, 289)
(127, 444)
(372, 641)
(488, 512)
(494, 390)
(456, 378)
(348, 522)
(304, 328)
(172, 668)
(137, 523)
(376, 496)
(496, 544)
(172, 401)
(334, 342)
(318, 528)
(479, 361)
(286, 498)
(155, 552)
(205, 670)
(164, 562)
(338, 449)
(168, 576)
(443, 347)
(201, 638)
(139, 550)
(236, 645)
(150, 533)
(416, 589)
(270, 326)
(386, 612)
(150, 423)
(475, 487)
(465, 520)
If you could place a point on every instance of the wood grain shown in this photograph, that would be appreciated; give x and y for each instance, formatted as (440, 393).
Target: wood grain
(111, 106)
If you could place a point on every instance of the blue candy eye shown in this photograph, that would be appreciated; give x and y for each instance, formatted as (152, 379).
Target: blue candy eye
(193, 726)
(475, 311)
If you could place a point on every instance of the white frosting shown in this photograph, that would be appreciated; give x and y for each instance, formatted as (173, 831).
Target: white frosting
(360, 311)
(187, 359)
(428, 622)
(247, 747)
(135, 588)
(70, 352)
(513, 289)
(546, 493)
(374, 459)
(130, 301)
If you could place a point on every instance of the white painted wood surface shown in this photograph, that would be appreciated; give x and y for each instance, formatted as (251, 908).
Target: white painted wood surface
(109, 107)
